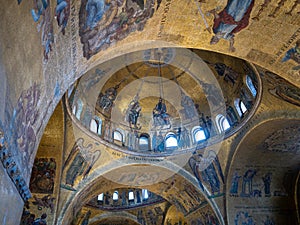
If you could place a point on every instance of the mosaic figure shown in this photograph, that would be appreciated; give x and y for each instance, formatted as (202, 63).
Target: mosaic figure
(79, 163)
(293, 54)
(124, 198)
(231, 115)
(183, 138)
(207, 171)
(213, 94)
(267, 183)
(160, 115)
(211, 130)
(108, 131)
(158, 143)
(231, 20)
(283, 89)
(87, 116)
(95, 10)
(247, 183)
(76, 168)
(24, 119)
(243, 218)
(138, 196)
(107, 198)
(106, 100)
(229, 75)
(62, 13)
(43, 175)
(234, 184)
(188, 107)
(133, 113)
(284, 140)
(105, 22)
(204, 125)
(210, 176)
(39, 7)
(42, 8)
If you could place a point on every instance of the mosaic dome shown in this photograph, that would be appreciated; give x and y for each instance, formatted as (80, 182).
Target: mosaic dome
(165, 100)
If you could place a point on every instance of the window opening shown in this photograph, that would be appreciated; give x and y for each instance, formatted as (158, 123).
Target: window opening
(145, 194)
(115, 195)
(100, 197)
(130, 196)
(222, 123)
(198, 134)
(250, 85)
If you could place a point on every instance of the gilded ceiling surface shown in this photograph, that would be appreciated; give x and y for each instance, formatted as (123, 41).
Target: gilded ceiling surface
(219, 78)
(263, 32)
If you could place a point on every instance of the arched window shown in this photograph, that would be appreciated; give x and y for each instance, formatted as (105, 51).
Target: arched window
(222, 123)
(130, 196)
(237, 106)
(171, 140)
(243, 107)
(145, 194)
(144, 143)
(77, 109)
(115, 195)
(96, 125)
(118, 137)
(250, 85)
(100, 197)
(240, 107)
(99, 122)
(93, 126)
(74, 109)
(198, 134)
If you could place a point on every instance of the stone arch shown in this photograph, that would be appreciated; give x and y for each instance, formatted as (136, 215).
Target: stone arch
(264, 168)
(177, 185)
(119, 215)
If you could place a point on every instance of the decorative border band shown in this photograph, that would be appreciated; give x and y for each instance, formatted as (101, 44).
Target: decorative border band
(12, 169)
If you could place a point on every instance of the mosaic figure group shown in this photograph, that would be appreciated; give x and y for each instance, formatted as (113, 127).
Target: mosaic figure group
(247, 189)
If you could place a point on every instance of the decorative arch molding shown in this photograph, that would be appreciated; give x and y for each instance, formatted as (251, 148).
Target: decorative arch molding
(258, 119)
(264, 167)
(12, 169)
(97, 183)
(107, 215)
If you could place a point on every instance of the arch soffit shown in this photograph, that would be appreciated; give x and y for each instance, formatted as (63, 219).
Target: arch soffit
(270, 147)
(98, 184)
